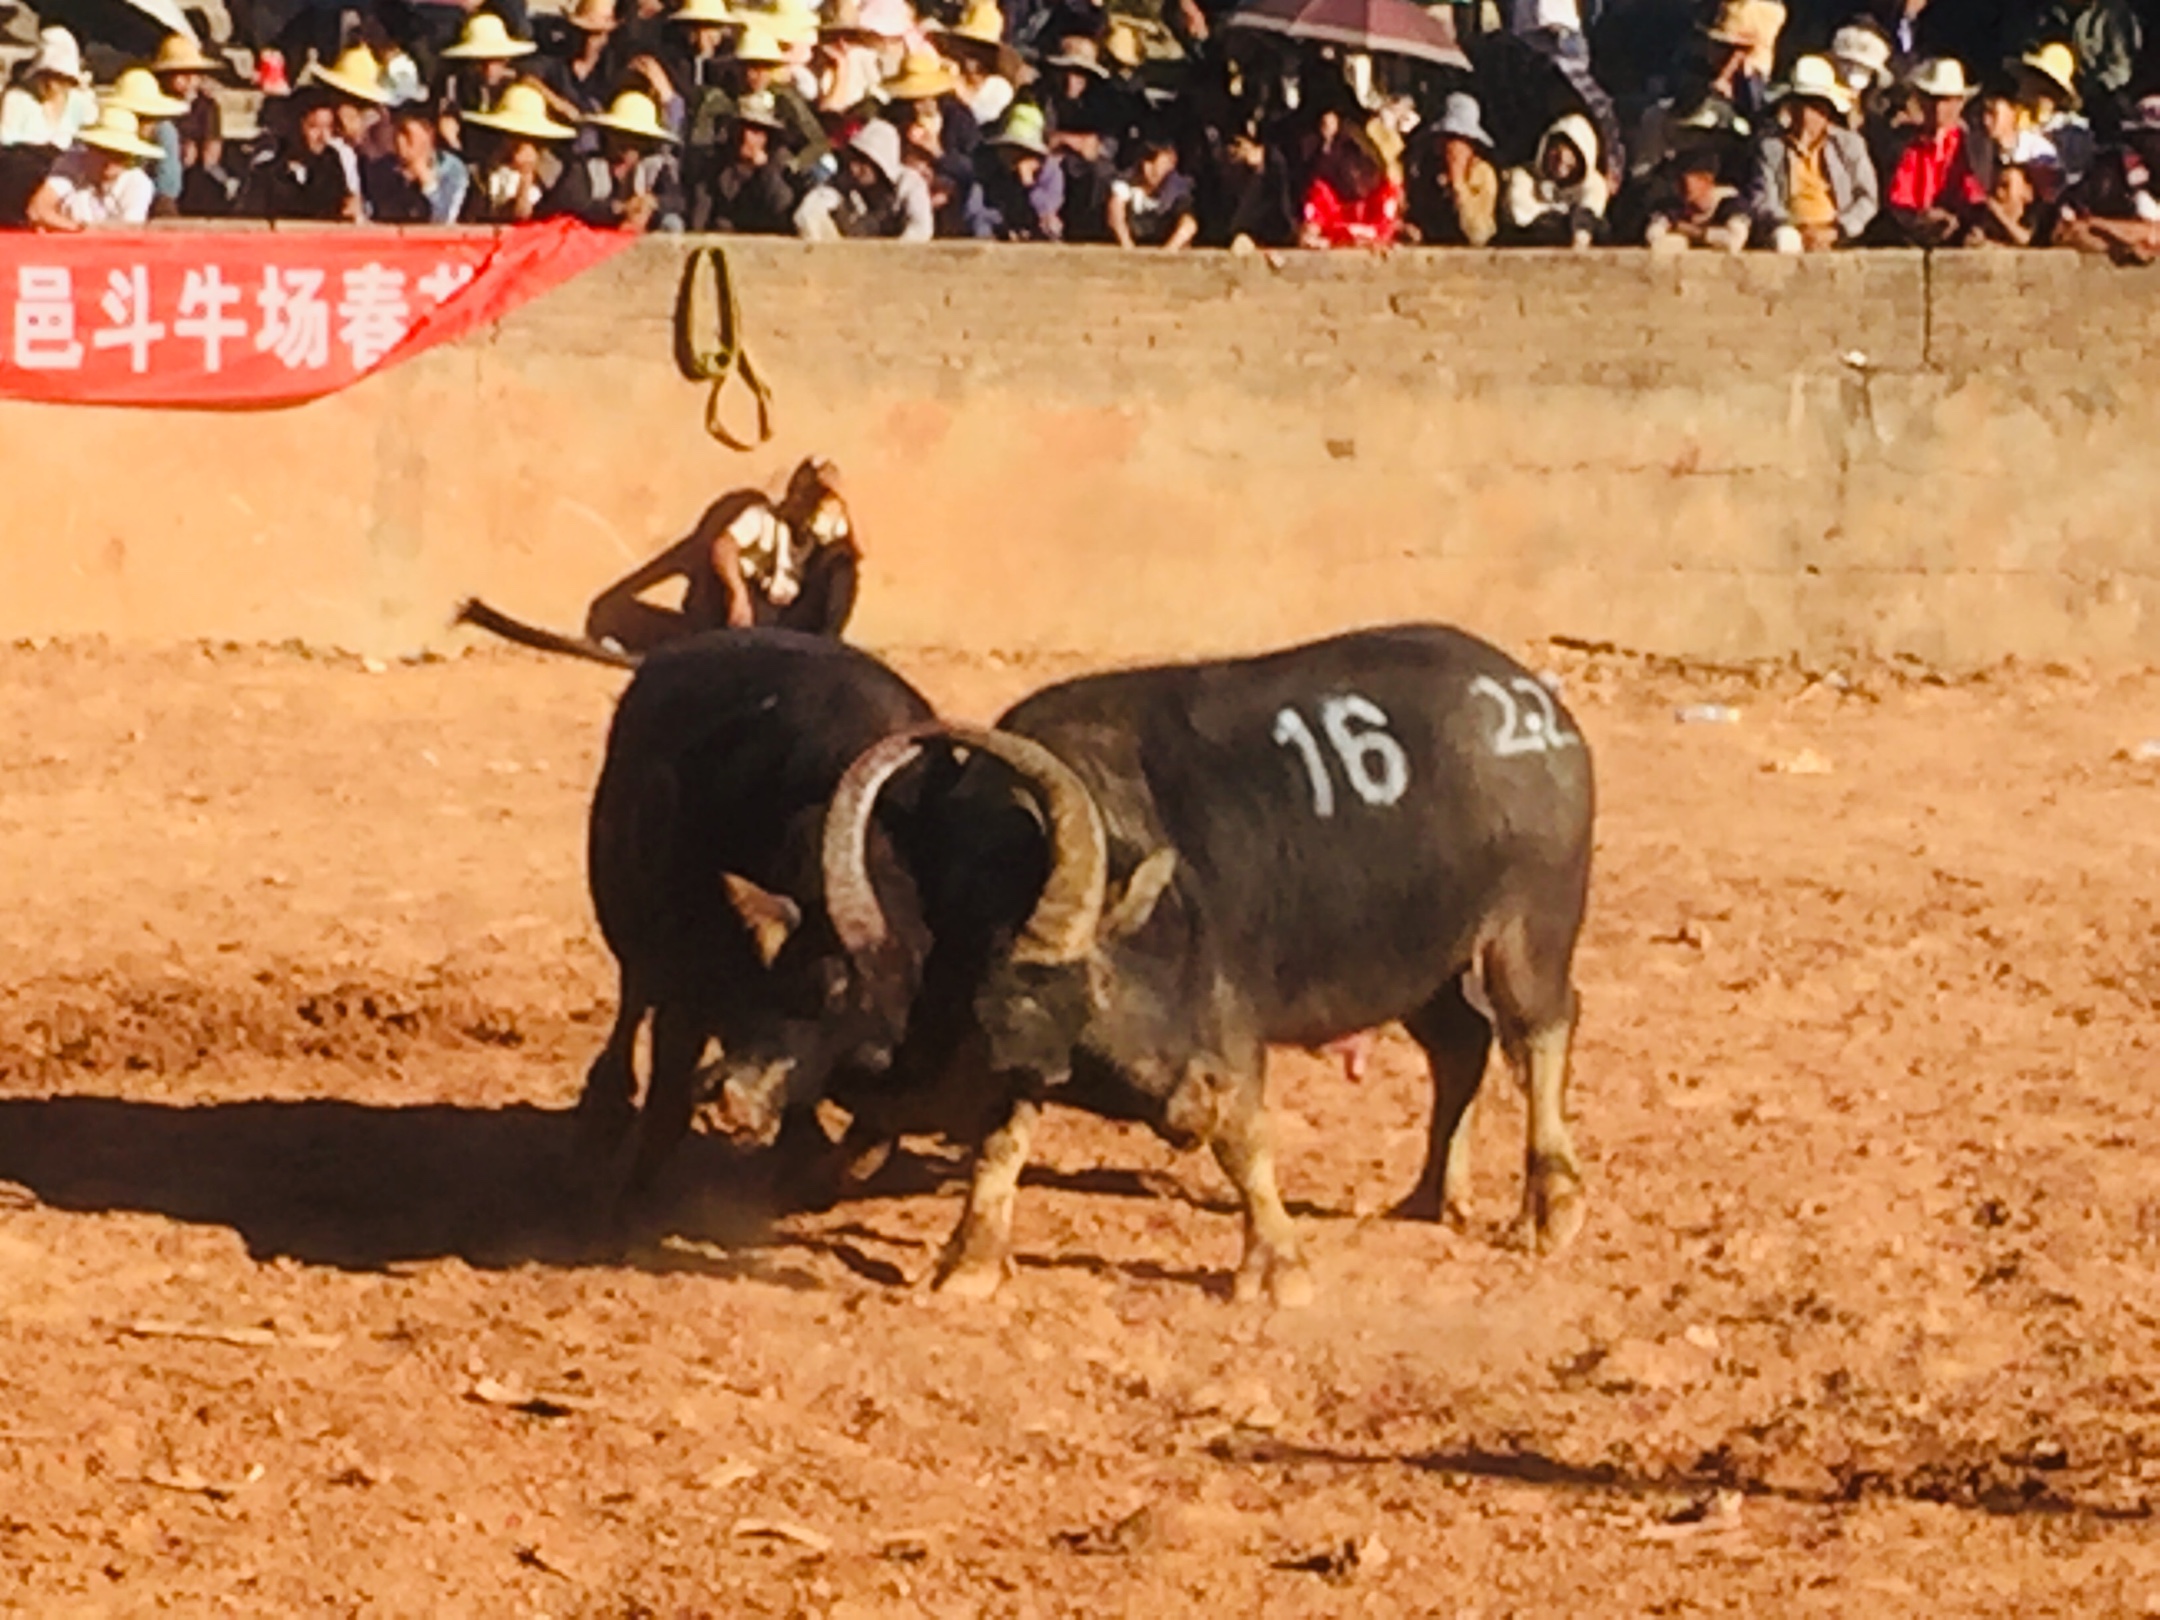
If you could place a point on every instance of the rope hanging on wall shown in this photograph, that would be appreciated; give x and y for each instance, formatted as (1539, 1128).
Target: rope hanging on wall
(728, 356)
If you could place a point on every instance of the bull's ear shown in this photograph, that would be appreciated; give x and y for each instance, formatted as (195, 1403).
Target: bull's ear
(770, 917)
(1133, 908)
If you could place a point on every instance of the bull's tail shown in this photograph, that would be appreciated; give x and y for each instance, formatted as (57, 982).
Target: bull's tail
(476, 612)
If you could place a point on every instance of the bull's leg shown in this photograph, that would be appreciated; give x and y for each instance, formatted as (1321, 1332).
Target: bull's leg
(1457, 1039)
(678, 1041)
(977, 1254)
(1534, 1007)
(608, 1106)
(1244, 1145)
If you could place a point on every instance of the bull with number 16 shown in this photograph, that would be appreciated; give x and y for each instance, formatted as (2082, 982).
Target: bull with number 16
(1389, 825)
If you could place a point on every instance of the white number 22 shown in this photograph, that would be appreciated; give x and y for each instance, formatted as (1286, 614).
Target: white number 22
(1373, 762)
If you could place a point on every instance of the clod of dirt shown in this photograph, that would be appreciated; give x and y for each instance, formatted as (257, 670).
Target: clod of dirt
(1139, 1531)
(494, 1392)
(722, 1475)
(800, 1535)
(1705, 1516)
(1343, 1561)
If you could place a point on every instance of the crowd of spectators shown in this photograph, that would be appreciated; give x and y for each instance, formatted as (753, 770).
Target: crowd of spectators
(1900, 122)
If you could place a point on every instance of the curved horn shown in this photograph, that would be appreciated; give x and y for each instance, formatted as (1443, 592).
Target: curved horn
(850, 899)
(1064, 923)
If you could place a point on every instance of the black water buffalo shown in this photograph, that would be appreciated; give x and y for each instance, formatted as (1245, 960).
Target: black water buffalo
(707, 868)
(1393, 824)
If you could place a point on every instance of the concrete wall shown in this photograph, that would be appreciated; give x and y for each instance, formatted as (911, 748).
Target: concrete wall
(1119, 455)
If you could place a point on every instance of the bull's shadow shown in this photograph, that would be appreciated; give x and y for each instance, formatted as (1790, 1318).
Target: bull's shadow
(352, 1185)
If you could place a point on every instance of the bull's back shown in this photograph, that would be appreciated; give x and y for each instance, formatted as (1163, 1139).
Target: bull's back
(1348, 814)
(724, 748)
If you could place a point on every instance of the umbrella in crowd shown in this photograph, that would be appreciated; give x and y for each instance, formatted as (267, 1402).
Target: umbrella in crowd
(1390, 27)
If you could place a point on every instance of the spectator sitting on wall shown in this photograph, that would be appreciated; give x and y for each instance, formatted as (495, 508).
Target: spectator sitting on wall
(358, 101)
(179, 68)
(749, 194)
(583, 66)
(2101, 213)
(631, 183)
(2141, 137)
(2010, 215)
(1723, 87)
(1244, 197)
(50, 99)
(2048, 106)
(924, 77)
(1151, 203)
(302, 176)
(136, 91)
(507, 188)
(693, 52)
(101, 179)
(1454, 191)
(1701, 211)
(417, 183)
(1933, 190)
(1860, 51)
(760, 65)
(1017, 191)
(1352, 200)
(873, 194)
(1814, 184)
(1559, 201)
(478, 68)
(1073, 88)
(988, 67)
(1086, 178)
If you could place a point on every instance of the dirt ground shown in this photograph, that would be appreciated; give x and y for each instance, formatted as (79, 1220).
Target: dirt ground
(297, 975)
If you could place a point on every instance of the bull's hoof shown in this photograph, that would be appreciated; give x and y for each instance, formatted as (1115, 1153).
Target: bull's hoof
(1554, 1210)
(1282, 1282)
(968, 1279)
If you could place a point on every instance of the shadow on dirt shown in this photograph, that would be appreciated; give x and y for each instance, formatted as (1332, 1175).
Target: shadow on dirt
(338, 1183)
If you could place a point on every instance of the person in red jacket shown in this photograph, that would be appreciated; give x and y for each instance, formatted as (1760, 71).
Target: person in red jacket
(1934, 192)
(1353, 201)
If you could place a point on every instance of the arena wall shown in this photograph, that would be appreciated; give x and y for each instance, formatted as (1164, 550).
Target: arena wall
(1081, 451)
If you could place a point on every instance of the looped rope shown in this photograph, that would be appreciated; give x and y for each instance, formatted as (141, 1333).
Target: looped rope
(728, 357)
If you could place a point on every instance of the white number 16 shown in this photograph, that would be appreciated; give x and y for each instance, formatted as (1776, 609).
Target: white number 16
(1373, 762)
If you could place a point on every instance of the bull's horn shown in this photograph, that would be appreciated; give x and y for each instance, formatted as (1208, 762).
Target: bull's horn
(850, 899)
(1064, 923)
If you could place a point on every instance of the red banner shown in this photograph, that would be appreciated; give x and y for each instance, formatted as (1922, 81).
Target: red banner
(257, 317)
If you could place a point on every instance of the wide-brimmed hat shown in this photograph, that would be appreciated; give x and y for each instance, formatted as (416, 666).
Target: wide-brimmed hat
(356, 74)
(880, 143)
(761, 108)
(487, 38)
(758, 48)
(1862, 46)
(1733, 25)
(522, 110)
(1024, 130)
(636, 114)
(136, 91)
(1815, 78)
(181, 53)
(1121, 43)
(593, 17)
(2057, 64)
(980, 33)
(1463, 118)
(1079, 53)
(117, 131)
(1942, 78)
(58, 56)
(923, 76)
(793, 22)
(704, 14)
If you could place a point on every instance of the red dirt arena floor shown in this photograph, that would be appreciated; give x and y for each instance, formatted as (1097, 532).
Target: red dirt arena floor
(297, 974)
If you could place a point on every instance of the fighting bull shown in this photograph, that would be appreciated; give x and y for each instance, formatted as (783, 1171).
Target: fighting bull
(707, 868)
(1390, 825)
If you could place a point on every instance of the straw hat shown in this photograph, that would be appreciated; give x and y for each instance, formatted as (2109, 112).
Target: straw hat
(116, 131)
(522, 110)
(1122, 45)
(593, 17)
(136, 91)
(487, 38)
(704, 14)
(357, 74)
(1815, 78)
(761, 108)
(980, 35)
(179, 53)
(57, 56)
(1734, 24)
(1942, 78)
(880, 143)
(635, 114)
(2058, 65)
(1862, 46)
(1024, 130)
(923, 76)
(794, 23)
(1079, 55)
(758, 48)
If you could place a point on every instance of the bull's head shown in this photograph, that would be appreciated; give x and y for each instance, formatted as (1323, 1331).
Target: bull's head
(1036, 996)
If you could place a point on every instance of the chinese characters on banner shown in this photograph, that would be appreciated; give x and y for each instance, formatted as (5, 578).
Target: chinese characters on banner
(261, 317)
